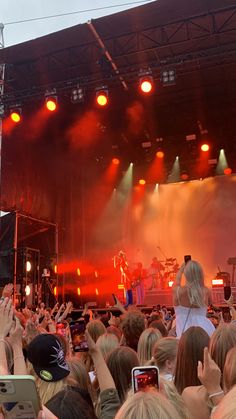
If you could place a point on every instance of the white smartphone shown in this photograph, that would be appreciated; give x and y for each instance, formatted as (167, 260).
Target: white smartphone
(92, 376)
(19, 397)
(145, 377)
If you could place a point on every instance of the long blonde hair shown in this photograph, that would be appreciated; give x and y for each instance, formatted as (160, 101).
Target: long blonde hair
(146, 344)
(195, 283)
(149, 405)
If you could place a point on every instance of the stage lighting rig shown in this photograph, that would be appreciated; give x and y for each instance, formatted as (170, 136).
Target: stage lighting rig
(51, 100)
(146, 81)
(102, 94)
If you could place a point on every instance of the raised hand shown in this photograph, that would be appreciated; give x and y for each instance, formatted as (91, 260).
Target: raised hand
(6, 317)
(7, 290)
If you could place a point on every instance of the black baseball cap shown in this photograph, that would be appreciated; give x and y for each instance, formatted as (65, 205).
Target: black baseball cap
(47, 357)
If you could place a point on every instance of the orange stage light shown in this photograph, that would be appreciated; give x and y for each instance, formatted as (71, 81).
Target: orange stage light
(146, 84)
(142, 182)
(102, 99)
(15, 116)
(120, 286)
(217, 281)
(205, 147)
(51, 104)
(78, 291)
(227, 171)
(55, 269)
(96, 274)
(55, 291)
(27, 290)
(160, 154)
(96, 291)
(78, 271)
(115, 161)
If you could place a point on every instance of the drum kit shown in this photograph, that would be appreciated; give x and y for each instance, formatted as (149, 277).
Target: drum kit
(165, 272)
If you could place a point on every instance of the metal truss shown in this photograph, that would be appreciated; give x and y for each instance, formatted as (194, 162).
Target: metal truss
(202, 40)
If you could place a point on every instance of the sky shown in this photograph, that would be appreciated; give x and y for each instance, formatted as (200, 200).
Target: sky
(17, 10)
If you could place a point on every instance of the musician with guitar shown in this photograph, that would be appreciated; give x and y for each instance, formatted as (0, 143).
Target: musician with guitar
(120, 262)
(138, 276)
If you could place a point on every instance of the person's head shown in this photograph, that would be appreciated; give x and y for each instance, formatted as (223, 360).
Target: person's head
(229, 373)
(96, 328)
(78, 374)
(146, 343)
(164, 354)
(190, 351)
(149, 405)
(133, 324)
(114, 330)
(47, 358)
(222, 340)
(69, 404)
(159, 325)
(120, 363)
(194, 275)
(107, 343)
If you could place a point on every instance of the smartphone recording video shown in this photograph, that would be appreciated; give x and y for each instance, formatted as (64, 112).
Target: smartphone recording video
(187, 258)
(77, 330)
(144, 378)
(61, 329)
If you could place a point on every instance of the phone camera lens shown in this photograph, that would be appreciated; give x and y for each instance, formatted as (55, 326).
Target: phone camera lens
(3, 390)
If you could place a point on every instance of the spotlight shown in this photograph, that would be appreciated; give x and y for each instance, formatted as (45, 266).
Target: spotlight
(51, 100)
(78, 271)
(55, 291)
(115, 161)
(168, 77)
(205, 147)
(27, 290)
(102, 96)
(15, 114)
(28, 266)
(160, 154)
(146, 81)
(77, 94)
(142, 182)
(78, 291)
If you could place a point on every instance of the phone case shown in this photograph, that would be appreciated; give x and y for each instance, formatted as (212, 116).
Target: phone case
(19, 397)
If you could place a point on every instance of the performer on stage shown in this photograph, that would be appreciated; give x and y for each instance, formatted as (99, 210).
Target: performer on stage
(120, 262)
(154, 272)
(138, 276)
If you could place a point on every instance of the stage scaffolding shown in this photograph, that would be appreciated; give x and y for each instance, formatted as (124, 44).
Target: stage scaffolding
(23, 230)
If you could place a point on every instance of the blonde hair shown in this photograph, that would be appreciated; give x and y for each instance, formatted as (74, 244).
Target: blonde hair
(227, 407)
(195, 283)
(146, 343)
(165, 349)
(78, 374)
(107, 343)
(229, 374)
(149, 405)
(170, 391)
(222, 340)
(96, 328)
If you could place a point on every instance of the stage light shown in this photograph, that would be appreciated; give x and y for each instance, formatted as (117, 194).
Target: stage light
(78, 271)
(28, 266)
(217, 281)
(15, 114)
(78, 291)
(77, 95)
(184, 176)
(142, 182)
(102, 96)
(160, 154)
(146, 84)
(96, 274)
(205, 147)
(51, 100)
(55, 291)
(168, 77)
(96, 291)
(55, 269)
(170, 284)
(227, 171)
(115, 161)
(27, 290)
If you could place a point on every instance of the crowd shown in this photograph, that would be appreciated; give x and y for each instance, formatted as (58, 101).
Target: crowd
(90, 375)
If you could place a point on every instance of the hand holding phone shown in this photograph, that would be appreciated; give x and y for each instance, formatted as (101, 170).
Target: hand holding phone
(145, 377)
(77, 331)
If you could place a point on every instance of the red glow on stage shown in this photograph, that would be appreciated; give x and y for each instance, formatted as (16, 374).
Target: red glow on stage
(227, 171)
(115, 161)
(205, 147)
(51, 104)
(146, 85)
(15, 116)
(160, 154)
(142, 182)
(184, 176)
